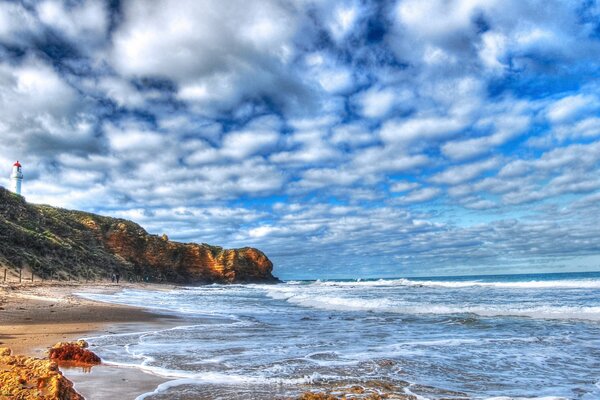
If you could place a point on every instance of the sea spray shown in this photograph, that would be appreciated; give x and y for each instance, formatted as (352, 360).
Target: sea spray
(536, 337)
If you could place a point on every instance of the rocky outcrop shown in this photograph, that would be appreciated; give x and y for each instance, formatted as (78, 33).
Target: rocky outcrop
(73, 354)
(27, 378)
(57, 243)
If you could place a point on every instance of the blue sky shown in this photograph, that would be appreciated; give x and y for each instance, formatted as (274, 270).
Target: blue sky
(343, 138)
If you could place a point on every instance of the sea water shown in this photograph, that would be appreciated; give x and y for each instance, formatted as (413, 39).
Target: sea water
(513, 336)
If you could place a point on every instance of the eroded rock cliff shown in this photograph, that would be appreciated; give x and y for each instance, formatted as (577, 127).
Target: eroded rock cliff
(56, 243)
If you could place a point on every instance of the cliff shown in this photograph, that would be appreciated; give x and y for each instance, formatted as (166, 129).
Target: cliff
(64, 244)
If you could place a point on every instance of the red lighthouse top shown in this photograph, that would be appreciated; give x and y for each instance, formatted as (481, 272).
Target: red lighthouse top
(17, 164)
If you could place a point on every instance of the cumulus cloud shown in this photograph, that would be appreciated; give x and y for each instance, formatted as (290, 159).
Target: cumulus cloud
(218, 54)
(572, 106)
(87, 20)
(16, 23)
(378, 102)
(354, 131)
(463, 173)
(420, 129)
(505, 128)
(420, 195)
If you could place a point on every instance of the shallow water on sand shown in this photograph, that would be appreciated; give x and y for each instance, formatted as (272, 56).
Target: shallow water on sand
(485, 337)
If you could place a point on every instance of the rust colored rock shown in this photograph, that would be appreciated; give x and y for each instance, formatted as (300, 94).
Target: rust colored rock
(27, 378)
(157, 258)
(74, 354)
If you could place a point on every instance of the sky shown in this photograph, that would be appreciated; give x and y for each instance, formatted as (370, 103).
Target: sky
(348, 139)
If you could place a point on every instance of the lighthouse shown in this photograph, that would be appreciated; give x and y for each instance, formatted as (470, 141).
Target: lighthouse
(16, 178)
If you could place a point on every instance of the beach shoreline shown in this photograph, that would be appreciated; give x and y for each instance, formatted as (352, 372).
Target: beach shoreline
(34, 317)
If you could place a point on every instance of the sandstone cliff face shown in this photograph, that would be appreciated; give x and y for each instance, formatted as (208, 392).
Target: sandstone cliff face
(58, 243)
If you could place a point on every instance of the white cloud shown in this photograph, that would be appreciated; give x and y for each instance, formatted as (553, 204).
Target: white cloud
(317, 178)
(210, 49)
(343, 20)
(420, 195)
(245, 143)
(352, 135)
(506, 128)
(16, 22)
(121, 91)
(87, 20)
(571, 106)
(193, 117)
(465, 172)
(452, 18)
(331, 76)
(381, 160)
(403, 186)
(136, 143)
(34, 88)
(308, 147)
(262, 231)
(492, 49)
(378, 102)
(585, 128)
(422, 129)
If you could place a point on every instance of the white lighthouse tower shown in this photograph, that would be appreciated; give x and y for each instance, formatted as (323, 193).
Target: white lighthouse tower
(16, 178)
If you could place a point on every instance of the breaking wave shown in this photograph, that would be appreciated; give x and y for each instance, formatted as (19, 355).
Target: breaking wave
(552, 284)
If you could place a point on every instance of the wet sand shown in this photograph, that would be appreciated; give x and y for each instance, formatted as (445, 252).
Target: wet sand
(33, 317)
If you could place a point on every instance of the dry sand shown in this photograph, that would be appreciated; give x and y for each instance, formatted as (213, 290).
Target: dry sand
(33, 317)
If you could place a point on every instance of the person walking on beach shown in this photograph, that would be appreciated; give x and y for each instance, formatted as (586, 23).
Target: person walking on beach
(113, 277)
(117, 277)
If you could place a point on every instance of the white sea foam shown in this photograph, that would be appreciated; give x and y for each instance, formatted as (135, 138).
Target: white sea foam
(216, 378)
(265, 335)
(410, 393)
(341, 303)
(556, 284)
(527, 398)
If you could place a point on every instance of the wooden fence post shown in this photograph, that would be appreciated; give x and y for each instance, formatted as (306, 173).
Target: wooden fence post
(5, 271)
(32, 276)
(20, 273)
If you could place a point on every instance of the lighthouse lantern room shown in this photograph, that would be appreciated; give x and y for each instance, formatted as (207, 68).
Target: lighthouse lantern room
(16, 178)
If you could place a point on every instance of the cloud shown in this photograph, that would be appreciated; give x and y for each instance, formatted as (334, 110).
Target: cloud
(210, 49)
(16, 23)
(506, 127)
(420, 195)
(359, 133)
(242, 144)
(571, 106)
(382, 159)
(34, 88)
(353, 135)
(378, 102)
(421, 129)
(403, 186)
(464, 173)
(86, 21)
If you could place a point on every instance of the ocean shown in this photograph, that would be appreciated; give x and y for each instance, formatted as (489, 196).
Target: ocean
(477, 337)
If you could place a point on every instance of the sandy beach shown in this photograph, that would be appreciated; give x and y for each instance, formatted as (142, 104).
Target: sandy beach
(33, 317)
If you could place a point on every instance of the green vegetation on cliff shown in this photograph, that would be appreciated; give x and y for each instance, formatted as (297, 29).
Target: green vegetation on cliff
(63, 244)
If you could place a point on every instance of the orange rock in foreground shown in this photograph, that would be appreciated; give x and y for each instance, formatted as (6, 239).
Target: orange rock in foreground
(74, 353)
(26, 378)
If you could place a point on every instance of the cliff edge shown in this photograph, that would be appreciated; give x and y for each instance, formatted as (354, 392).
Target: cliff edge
(56, 243)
